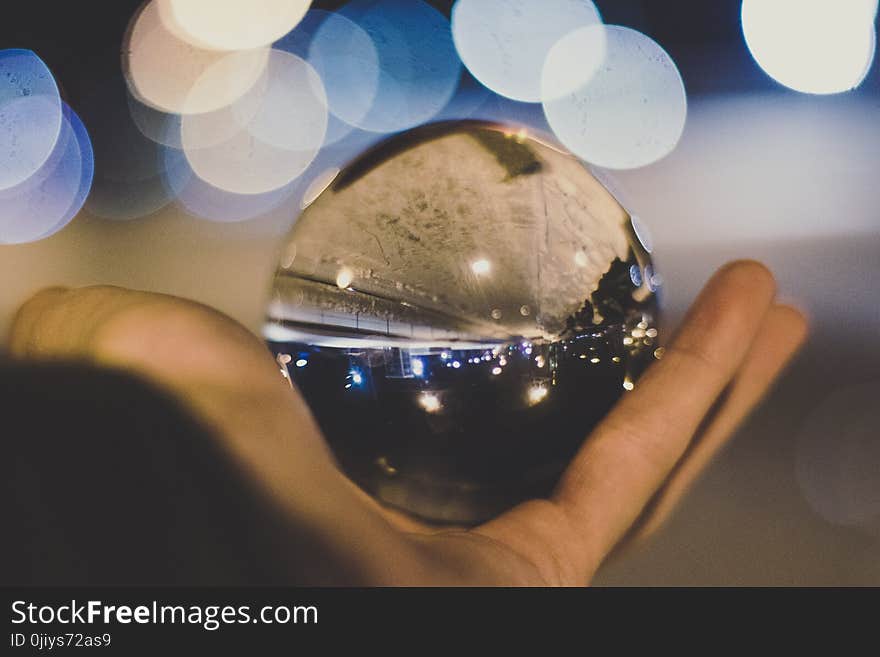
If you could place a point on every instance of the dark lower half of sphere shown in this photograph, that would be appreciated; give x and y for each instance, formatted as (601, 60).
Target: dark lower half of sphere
(459, 435)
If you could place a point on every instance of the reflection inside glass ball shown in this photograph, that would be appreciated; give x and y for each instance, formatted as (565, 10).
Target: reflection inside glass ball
(459, 308)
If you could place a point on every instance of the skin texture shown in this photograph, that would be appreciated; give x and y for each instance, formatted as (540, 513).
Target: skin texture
(626, 479)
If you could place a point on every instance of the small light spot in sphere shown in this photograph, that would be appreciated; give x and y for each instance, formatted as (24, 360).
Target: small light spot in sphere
(537, 393)
(430, 402)
(635, 275)
(481, 267)
(344, 278)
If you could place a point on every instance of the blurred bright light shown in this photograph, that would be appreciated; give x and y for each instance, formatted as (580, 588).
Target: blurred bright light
(157, 126)
(537, 393)
(635, 275)
(356, 377)
(30, 115)
(419, 68)
(481, 267)
(643, 233)
(344, 278)
(231, 24)
(430, 402)
(632, 110)
(496, 371)
(202, 199)
(277, 131)
(46, 202)
(813, 46)
(301, 362)
(162, 69)
(504, 43)
(318, 185)
(344, 56)
(418, 367)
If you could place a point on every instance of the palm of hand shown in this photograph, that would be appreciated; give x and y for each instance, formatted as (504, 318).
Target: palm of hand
(625, 480)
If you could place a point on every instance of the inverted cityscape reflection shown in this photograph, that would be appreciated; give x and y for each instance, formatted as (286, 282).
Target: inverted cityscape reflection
(459, 307)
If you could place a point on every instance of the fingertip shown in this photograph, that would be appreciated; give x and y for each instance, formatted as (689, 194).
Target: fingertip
(750, 273)
(794, 321)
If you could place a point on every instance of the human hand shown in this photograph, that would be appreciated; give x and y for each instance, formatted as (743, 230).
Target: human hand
(623, 483)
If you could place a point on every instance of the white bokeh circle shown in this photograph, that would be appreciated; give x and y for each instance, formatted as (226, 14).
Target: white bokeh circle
(30, 115)
(161, 69)
(632, 110)
(276, 131)
(818, 47)
(504, 43)
(232, 24)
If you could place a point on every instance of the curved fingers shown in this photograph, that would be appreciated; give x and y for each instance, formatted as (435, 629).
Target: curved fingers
(631, 453)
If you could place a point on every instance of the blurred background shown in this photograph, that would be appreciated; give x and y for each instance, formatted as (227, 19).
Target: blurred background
(765, 167)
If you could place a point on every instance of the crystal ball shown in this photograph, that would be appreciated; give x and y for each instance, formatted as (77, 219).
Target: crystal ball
(459, 307)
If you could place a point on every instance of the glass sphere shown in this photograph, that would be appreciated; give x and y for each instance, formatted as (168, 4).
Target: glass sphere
(459, 307)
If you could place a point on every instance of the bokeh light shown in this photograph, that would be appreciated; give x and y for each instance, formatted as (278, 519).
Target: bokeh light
(87, 171)
(30, 115)
(156, 125)
(279, 131)
(630, 113)
(49, 200)
(346, 59)
(504, 43)
(344, 55)
(162, 69)
(817, 46)
(200, 199)
(231, 24)
(129, 167)
(419, 67)
(838, 457)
